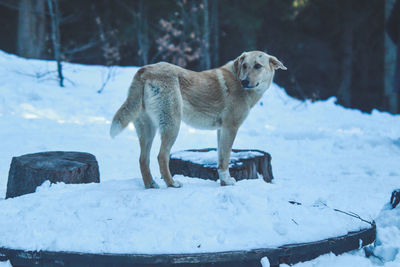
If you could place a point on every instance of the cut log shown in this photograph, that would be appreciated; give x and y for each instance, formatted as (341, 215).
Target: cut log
(29, 171)
(203, 163)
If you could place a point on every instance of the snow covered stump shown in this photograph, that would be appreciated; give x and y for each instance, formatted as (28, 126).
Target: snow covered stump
(29, 171)
(202, 163)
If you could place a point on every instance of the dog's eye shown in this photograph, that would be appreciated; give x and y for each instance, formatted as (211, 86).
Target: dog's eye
(257, 66)
(244, 66)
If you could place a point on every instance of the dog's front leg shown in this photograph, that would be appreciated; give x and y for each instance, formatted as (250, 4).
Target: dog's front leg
(226, 136)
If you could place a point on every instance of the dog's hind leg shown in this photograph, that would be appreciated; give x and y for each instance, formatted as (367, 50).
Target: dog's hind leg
(169, 117)
(163, 103)
(168, 137)
(146, 131)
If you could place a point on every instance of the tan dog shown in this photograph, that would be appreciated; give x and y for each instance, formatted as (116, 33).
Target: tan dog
(162, 94)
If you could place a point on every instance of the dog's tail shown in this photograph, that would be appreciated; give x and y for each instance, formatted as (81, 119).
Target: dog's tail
(130, 108)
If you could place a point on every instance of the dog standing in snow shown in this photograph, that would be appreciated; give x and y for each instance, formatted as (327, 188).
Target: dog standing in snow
(162, 94)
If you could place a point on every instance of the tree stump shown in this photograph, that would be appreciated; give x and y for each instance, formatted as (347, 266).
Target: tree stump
(29, 171)
(203, 163)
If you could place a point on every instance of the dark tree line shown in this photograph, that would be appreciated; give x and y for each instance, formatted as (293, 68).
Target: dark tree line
(331, 47)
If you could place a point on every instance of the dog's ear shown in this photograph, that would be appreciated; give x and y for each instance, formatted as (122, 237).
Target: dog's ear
(237, 62)
(276, 64)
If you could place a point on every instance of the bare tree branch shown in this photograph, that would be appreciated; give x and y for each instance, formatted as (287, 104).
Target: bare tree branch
(81, 48)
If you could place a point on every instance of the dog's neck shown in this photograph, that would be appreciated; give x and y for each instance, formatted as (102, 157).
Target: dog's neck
(254, 95)
(229, 67)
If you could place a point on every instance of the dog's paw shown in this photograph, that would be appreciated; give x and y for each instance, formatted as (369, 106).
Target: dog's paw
(176, 184)
(228, 181)
(225, 178)
(153, 184)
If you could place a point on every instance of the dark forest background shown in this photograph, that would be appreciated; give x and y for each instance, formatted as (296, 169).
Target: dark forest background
(331, 47)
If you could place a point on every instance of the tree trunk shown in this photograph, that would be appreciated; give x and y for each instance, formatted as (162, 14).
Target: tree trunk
(186, 19)
(143, 32)
(206, 36)
(55, 36)
(391, 100)
(344, 92)
(31, 28)
(215, 33)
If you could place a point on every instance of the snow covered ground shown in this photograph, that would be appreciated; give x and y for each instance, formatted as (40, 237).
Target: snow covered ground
(323, 155)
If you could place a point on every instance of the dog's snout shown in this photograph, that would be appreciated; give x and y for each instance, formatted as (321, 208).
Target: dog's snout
(245, 83)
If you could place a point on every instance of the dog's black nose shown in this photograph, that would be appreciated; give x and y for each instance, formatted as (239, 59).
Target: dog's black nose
(245, 83)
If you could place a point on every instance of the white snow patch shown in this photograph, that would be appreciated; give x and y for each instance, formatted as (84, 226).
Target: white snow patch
(210, 158)
(122, 217)
(5, 264)
(330, 260)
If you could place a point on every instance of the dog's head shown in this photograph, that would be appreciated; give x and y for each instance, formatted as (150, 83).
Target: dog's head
(256, 69)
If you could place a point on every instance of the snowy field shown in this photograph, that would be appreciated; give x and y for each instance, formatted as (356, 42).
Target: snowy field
(323, 155)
